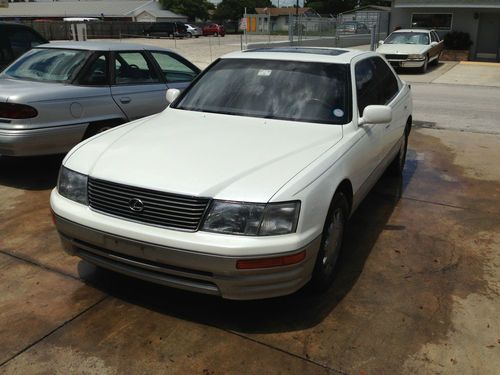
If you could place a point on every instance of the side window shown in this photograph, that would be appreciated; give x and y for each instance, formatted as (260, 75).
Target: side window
(133, 68)
(388, 82)
(174, 69)
(97, 72)
(375, 83)
(367, 89)
(433, 37)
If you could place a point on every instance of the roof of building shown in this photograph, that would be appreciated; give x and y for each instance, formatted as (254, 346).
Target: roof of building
(446, 3)
(275, 12)
(62, 9)
(369, 8)
(101, 46)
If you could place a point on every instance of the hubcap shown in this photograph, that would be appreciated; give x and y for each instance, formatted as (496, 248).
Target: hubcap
(333, 239)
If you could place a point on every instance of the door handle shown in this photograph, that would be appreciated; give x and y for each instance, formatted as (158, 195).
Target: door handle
(125, 100)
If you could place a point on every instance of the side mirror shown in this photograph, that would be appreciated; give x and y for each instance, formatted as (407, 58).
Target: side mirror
(434, 44)
(172, 94)
(380, 42)
(376, 114)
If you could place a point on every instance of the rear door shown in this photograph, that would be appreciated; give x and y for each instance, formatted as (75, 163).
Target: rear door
(137, 87)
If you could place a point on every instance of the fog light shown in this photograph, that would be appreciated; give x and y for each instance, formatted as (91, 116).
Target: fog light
(286, 260)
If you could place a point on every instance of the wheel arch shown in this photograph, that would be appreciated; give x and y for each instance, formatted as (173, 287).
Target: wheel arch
(345, 187)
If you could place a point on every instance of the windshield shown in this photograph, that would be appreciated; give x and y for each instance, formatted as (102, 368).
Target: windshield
(407, 38)
(287, 90)
(47, 64)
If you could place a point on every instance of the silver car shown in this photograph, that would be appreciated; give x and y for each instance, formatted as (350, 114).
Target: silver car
(60, 93)
(193, 31)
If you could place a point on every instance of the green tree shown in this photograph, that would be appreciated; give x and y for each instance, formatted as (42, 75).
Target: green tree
(191, 8)
(234, 9)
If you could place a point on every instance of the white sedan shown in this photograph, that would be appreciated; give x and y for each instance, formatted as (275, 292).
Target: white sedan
(412, 48)
(242, 187)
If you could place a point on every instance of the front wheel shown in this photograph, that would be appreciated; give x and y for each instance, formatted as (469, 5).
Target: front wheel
(331, 243)
(398, 164)
(189, 35)
(424, 67)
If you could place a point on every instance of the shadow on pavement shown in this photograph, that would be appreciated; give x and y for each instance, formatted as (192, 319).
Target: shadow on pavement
(301, 310)
(416, 71)
(30, 173)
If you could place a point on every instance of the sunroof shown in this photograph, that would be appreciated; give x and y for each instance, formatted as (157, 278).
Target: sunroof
(312, 51)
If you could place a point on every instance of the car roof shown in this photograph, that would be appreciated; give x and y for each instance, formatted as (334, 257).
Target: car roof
(102, 46)
(412, 31)
(312, 54)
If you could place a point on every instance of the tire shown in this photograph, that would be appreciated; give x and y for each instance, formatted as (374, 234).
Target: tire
(99, 127)
(398, 164)
(423, 69)
(216, 34)
(436, 61)
(331, 243)
(189, 35)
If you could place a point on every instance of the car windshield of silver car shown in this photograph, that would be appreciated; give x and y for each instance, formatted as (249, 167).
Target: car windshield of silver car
(46, 64)
(275, 89)
(407, 38)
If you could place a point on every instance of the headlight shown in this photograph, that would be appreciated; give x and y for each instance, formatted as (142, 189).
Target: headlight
(416, 57)
(72, 185)
(252, 219)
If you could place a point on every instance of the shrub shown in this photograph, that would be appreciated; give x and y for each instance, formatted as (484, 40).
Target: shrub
(457, 40)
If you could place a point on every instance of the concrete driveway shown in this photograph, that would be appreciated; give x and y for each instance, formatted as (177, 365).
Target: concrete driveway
(417, 293)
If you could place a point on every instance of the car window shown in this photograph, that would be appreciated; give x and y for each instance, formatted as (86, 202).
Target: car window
(133, 68)
(47, 64)
(173, 69)
(434, 36)
(97, 72)
(286, 90)
(375, 83)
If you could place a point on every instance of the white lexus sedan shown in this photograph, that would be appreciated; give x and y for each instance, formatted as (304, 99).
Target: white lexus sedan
(243, 186)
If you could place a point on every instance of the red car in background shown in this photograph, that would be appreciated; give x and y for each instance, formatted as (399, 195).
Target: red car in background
(213, 29)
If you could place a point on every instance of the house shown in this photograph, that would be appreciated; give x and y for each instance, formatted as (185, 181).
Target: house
(479, 18)
(114, 10)
(280, 17)
(369, 15)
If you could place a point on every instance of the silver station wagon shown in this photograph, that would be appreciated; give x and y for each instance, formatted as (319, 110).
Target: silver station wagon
(60, 93)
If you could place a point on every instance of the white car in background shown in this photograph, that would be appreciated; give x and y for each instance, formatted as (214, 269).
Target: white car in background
(412, 48)
(243, 186)
(193, 31)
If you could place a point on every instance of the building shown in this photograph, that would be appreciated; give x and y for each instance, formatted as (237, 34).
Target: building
(280, 17)
(113, 10)
(479, 18)
(370, 15)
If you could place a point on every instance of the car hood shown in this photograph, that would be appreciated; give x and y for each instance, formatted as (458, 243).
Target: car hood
(202, 154)
(405, 49)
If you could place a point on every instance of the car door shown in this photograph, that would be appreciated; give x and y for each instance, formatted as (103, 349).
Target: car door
(392, 95)
(137, 86)
(177, 71)
(367, 152)
(440, 44)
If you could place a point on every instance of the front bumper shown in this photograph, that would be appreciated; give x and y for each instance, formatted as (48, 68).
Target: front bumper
(44, 141)
(184, 269)
(407, 63)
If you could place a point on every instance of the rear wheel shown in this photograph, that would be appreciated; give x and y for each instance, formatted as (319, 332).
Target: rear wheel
(331, 243)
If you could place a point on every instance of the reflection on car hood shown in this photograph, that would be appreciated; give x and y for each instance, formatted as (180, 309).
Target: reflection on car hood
(405, 49)
(202, 154)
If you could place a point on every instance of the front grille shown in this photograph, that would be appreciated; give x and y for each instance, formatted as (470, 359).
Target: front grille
(158, 208)
(396, 57)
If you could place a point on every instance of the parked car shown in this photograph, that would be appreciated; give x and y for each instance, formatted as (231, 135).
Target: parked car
(352, 27)
(16, 39)
(60, 93)
(412, 48)
(214, 29)
(168, 29)
(243, 186)
(193, 31)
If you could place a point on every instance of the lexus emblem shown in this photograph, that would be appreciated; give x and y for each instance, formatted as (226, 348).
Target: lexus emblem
(136, 205)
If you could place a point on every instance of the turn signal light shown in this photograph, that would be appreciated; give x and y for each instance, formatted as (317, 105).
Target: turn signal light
(271, 262)
(17, 111)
